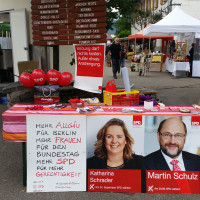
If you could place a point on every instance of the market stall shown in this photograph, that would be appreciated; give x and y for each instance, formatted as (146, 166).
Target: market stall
(177, 23)
(178, 69)
(157, 58)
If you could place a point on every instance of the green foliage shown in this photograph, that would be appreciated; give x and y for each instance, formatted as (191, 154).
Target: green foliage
(128, 12)
(124, 33)
(155, 17)
(141, 18)
(4, 27)
(124, 8)
(132, 67)
(123, 26)
(123, 23)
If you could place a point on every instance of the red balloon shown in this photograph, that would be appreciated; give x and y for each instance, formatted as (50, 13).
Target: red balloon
(53, 76)
(39, 76)
(65, 79)
(26, 79)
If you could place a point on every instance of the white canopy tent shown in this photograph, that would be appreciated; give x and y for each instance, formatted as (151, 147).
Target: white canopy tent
(179, 23)
(176, 22)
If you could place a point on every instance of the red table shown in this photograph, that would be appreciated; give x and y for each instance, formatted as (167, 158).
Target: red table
(14, 119)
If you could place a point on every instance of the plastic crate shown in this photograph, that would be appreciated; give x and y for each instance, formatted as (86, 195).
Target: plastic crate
(121, 98)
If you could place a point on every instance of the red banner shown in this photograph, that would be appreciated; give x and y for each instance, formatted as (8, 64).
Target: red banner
(195, 121)
(117, 180)
(137, 119)
(90, 60)
(180, 182)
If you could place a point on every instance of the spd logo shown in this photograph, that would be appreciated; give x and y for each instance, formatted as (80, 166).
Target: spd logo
(195, 121)
(137, 119)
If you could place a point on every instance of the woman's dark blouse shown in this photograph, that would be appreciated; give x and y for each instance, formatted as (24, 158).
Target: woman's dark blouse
(97, 163)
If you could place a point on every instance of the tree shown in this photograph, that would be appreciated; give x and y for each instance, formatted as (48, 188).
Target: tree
(123, 23)
(123, 7)
(141, 18)
(124, 33)
(123, 26)
(129, 9)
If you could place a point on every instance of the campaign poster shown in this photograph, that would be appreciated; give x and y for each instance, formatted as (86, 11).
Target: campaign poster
(110, 139)
(172, 149)
(89, 62)
(56, 153)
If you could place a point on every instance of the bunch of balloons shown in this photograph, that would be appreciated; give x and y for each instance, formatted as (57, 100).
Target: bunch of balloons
(38, 77)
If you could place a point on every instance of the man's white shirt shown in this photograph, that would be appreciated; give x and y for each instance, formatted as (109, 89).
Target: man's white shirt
(180, 159)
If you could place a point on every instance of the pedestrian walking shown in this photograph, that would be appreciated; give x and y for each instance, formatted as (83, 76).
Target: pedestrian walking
(123, 54)
(115, 50)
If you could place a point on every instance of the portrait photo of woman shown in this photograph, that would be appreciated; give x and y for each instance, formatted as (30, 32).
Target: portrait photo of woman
(113, 148)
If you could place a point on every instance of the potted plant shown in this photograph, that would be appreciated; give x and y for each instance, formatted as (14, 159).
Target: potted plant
(132, 68)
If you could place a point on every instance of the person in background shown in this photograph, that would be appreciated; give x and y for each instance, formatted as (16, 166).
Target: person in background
(123, 54)
(108, 48)
(142, 63)
(108, 61)
(115, 50)
(191, 52)
(172, 48)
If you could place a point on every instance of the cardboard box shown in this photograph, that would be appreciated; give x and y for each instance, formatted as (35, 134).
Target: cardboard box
(27, 66)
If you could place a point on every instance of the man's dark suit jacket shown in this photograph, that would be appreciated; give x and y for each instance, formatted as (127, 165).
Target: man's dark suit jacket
(156, 161)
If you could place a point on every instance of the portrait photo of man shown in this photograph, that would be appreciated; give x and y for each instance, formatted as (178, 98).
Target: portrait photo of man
(171, 136)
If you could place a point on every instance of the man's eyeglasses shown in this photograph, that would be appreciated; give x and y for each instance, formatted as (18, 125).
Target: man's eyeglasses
(177, 136)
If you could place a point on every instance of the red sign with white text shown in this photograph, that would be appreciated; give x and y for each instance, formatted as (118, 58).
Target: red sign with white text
(180, 182)
(117, 180)
(195, 121)
(137, 119)
(90, 60)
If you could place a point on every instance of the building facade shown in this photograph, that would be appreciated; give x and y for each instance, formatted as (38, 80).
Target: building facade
(190, 7)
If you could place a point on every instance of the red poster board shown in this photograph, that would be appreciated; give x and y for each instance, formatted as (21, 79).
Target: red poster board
(90, 60)
(180, 182)
(117, 180)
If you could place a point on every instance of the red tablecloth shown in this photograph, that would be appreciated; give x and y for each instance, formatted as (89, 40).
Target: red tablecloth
(14, 119)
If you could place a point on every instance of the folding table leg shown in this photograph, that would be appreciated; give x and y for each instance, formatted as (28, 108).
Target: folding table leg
(24, 163)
